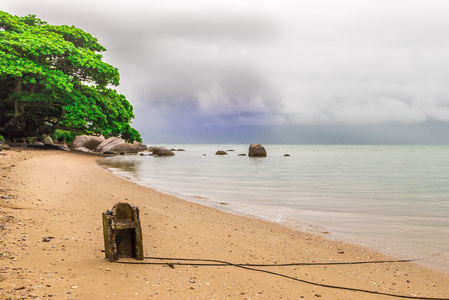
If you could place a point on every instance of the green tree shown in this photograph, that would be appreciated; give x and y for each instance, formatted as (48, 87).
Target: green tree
(52, 78)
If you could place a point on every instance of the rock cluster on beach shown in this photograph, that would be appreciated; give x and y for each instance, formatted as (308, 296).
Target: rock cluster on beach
(99, 144)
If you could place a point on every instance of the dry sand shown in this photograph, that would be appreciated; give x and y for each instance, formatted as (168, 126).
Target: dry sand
(62, 195)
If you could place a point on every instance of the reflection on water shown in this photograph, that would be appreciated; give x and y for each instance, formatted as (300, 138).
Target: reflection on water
(132, 166)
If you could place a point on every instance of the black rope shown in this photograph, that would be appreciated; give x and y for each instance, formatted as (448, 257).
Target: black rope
(284, 265)
(219, 263)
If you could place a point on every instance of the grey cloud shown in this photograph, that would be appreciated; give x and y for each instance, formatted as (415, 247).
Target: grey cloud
(274, 63)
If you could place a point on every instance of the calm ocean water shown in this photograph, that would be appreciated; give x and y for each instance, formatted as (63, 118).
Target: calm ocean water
(394, 199)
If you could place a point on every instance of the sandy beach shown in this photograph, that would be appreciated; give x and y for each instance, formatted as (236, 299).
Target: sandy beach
(51, 244)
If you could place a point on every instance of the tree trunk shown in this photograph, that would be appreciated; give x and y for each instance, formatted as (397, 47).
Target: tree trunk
(16, 98)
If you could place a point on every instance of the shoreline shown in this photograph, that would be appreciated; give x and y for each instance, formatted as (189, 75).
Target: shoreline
(392, 234)
(51, 194)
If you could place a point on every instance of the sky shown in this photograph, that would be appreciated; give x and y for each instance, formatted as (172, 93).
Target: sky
(282, 72)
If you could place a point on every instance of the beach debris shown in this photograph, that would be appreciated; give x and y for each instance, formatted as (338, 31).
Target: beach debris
(172, 266)
(47, 239)
(340, 252)
(122, 232)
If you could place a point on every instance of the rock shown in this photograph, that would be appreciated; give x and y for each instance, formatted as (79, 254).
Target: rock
(142, 146)
(287, 154)
(108, 144)
(53, 147)
(151, 148)
(242, 154)
(257, 150)
(125, 148)
(82, 149)
(48, 140)
(221, 152)
(162, 151)
(87, 141)
(5, 147)
(110, 152)
(36, 143)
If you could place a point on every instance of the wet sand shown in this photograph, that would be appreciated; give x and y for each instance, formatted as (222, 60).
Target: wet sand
(61, 195)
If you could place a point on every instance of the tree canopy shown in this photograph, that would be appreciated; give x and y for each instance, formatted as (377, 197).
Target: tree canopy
(53, 80)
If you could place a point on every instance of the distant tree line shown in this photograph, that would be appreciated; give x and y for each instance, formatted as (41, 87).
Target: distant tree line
(53, 81)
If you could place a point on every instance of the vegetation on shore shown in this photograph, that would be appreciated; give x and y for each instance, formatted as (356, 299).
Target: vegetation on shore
(53, 81)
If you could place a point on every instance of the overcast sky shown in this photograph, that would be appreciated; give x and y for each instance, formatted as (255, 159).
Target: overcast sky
(284, 71)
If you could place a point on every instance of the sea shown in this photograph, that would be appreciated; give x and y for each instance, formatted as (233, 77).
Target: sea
(393, 199)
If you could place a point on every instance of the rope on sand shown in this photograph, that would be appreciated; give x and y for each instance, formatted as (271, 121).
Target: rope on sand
(212, 262)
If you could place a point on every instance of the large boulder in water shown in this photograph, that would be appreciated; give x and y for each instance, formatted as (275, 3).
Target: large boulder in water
(257, 150)
(86, 141)
(162, 151)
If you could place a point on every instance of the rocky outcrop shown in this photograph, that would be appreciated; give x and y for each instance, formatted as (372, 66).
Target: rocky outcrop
(81, 149)
(142, 146)
(112, 145)
(152, 148)
(161, 151)
(123, 148)
(108, 144)
(221, 152)
(86, 141)
(257, 150)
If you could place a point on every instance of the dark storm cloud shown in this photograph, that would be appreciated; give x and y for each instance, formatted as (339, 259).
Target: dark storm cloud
(190, 64)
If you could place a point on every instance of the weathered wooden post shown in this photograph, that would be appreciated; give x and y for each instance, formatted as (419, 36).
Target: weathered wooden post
(122, 232)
